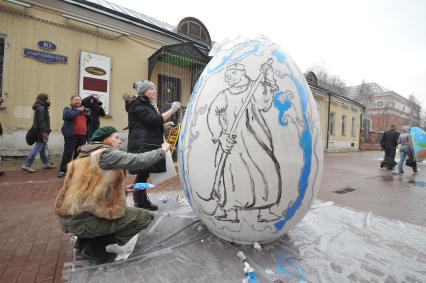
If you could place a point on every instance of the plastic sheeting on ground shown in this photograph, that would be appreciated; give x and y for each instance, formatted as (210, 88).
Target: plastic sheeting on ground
(331, 244)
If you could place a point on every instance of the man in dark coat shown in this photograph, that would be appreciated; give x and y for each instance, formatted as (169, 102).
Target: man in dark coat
(389, 143)
(93, 105)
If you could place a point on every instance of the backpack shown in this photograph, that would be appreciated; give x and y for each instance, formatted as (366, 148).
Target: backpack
(31, 136)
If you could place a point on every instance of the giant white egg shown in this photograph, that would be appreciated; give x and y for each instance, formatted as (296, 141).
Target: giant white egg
(250, 150)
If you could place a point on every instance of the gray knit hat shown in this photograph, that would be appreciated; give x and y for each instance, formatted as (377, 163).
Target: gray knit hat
(142, 86)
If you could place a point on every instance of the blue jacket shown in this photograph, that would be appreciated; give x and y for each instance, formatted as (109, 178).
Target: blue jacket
(68, 115)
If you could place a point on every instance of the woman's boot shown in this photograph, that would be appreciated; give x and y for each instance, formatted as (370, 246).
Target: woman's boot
(146, 203)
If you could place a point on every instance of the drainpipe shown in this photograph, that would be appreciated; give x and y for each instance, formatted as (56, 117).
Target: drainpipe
(361, 127)
(328, 120)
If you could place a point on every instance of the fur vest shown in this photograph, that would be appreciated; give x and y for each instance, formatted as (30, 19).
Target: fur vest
(88, 188)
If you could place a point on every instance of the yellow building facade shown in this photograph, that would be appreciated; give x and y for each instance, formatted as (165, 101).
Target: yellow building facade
(42, 43)
(340, 118)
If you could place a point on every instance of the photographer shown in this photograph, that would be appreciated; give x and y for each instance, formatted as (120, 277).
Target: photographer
(94, 107)
(74, 131)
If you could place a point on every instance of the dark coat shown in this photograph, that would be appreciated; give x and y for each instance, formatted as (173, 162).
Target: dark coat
(146, 131)
(68, 115)
(96, 111)
(41, 119)
(389, 139)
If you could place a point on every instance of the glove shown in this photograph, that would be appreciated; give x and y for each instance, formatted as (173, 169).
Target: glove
(176, 106)
(168, 125)
(45, 137)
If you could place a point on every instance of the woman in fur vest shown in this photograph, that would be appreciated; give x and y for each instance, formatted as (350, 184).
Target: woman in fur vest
(92, 202)
(146, 132)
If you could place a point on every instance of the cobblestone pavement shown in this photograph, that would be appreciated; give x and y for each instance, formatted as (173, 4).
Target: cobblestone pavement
(33, 248)
(32, 245)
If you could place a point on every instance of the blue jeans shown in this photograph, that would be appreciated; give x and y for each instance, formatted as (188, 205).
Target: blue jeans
(39, 147)
(403, 152)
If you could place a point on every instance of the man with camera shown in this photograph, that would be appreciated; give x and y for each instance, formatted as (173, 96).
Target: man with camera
(74, 130)
(94, 107)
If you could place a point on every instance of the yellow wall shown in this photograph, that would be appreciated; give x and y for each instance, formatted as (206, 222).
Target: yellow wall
(26, 77)
(337, 141)
(340, 110)
(323, 108)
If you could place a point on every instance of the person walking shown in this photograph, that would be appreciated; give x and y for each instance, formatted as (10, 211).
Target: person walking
(146, 133)
(41, 122)
(74, 131)
(96, 211)
(389, 143)
(406, 148)
(94, 106)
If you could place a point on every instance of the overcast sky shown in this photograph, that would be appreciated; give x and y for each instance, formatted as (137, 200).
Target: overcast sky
(379, 41)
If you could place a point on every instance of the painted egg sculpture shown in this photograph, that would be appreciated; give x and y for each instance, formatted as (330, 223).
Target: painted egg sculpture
(419, 142)
(250, 150)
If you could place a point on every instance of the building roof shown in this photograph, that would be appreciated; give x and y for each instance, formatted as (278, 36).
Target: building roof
(370, 88)
(313, 82)
(131, 13)
(136, 18)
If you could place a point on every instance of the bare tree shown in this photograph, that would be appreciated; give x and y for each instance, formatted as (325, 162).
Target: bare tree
(423, 119)
(328, 80)
(383, 112)
(364, 96)
(415, 110)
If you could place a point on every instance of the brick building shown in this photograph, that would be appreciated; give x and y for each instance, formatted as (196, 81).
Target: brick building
(383, 107)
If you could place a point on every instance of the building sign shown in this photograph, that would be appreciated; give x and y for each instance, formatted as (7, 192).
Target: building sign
(95, 73)
(46, 45)
(45, 57)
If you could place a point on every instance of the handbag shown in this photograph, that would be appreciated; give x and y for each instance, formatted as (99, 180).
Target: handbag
(411, 162)
(31, 136)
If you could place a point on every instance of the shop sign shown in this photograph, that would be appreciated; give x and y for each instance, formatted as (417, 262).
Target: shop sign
(46, 45)
(45, 57)
(95, 71)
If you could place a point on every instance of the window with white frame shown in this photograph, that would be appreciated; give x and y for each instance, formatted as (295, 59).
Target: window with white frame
(343, 125)
(2, 46)
(353, 129)
(332, 124)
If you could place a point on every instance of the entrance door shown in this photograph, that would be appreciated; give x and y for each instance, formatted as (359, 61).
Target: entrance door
(169, 89)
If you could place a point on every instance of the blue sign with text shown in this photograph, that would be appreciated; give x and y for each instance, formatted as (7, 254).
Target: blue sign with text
(46, 45)
(45, 57)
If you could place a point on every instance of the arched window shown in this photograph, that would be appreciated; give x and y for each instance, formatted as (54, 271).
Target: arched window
(195, 29)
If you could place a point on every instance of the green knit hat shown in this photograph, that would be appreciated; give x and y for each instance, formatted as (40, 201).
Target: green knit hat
(103, 132)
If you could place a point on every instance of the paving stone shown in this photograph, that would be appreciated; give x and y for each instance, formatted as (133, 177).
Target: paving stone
(10, 276)
(27, 277)
(46, 272)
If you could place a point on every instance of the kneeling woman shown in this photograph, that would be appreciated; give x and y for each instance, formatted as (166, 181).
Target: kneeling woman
(92, 202)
